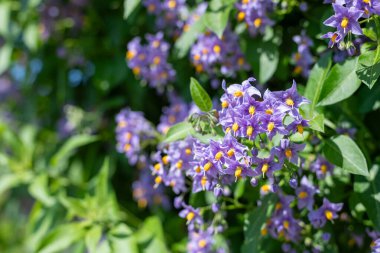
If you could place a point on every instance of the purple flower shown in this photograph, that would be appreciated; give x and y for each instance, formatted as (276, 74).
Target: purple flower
(150, 61)
(345, 20)
(375, 247)
(328, 211)
(200, 241)
(368, 6)
(176, 112)
(305, 194)
(191, 215)
(132, 129)
(321, 167)
(288, 150)
(213, 55)
(266, 166)
(303, 58)
(334, 37)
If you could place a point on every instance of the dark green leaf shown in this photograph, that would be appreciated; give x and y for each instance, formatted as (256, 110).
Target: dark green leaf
(369, 67)
(340, 83)
(343, 152)
(151, 236)
(317, 78)
(70, 145)
(179, 131)
(129, 6)
(39, 189)
(368, 189)
(253, 224)
(263, 55)
(102, 191)
(61, 238)
(200, 96)
(217, 21)
(122, 239)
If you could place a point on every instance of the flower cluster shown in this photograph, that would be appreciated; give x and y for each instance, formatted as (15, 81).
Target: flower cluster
(255, 14)
(346, 21)
(150, 61)
(213, 55)
(167, 12)
(303, 58)
(176, 112)
(132, 130)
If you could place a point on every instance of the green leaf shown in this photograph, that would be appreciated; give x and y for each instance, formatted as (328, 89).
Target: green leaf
(343, 152)
(5, 57)
(61, 238)
(368, 189)
(217, 21)
(76, 207)
(179, 131)
(151, 236)
(317, 78)
(317, 123)
(92, 238)
(371, 99)
(369, 67)
(253, 224)
(188, 38)
(129, 7)
(340, 83)
(102, 191)
(123, 240)
(67, 149)
(239, 189)
(200, 96)
(263, 55)
(9, 181)
(5, 11)
(39, 189)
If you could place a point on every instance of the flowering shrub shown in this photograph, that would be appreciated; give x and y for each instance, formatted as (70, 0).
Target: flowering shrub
(189, 126)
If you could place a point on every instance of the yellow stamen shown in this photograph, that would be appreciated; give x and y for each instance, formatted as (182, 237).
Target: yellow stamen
(257, 22)
(344, 23)
(252, 110)
(156, 60)
(300, 128)
(196, 57)
(130, 54)
(188, 151)
(288, 153)
(218, 155)
(158, 180)
(202, 243)
(142, 203)
(128, 136)
(241, 61)
(198, 68)
(198, 169)
(207, 166)
(186, 28)
(245, 1)
(249, 131)
(297, 70)
(265, 188)
(278, 206)
(324, 168)
(151, 7)
(216, 49)
(329, 215)
(302, 195)
(156, 43)
(190, 216)
(228, 129)
(289, 102)
(264, 168)
(127, 147)
(286, 224)
(241, 16)
(231, 152)
(238, 172)
(224, 104)
(204, 182)
(165, 159)
(157, 166)
(179, 164)
(264, 231)
(235, 127)
(269, 111)
(238, 93)
(297, 56)
(204, 51)
(270, 126)
(172, 119)
(136, 70)
(172, 4)
(333, 38)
